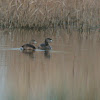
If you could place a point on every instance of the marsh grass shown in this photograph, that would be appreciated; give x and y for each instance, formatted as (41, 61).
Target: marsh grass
(79, 14)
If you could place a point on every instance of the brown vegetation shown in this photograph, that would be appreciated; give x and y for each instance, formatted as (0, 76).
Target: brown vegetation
(83, 14)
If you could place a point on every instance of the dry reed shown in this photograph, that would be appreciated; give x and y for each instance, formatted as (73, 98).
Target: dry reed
(82, 14)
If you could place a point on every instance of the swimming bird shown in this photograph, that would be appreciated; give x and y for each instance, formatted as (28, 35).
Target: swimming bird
(29, 46)
(45, 45)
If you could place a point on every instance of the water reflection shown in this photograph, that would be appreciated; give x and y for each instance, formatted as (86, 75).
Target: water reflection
(30, 53)
(70, 71)
(47, 54)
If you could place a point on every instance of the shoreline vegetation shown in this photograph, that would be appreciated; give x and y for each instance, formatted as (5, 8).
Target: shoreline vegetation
(78, 14)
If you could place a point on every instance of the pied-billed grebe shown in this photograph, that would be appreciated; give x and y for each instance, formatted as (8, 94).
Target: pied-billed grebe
(29, 46)
(45, 45)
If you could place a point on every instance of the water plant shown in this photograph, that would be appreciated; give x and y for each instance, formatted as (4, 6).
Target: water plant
(80, 14)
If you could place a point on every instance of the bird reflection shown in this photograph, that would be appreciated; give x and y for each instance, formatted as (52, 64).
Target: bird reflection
(29, 52)
(47, 54)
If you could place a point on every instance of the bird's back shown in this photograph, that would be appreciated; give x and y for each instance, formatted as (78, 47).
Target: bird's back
(28, 46)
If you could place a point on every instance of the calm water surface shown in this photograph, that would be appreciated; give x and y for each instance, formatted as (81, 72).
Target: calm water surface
(71, 71)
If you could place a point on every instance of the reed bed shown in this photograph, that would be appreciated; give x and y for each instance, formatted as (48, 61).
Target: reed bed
(81, 14)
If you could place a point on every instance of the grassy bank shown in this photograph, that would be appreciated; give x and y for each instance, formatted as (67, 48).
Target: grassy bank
(80, 14)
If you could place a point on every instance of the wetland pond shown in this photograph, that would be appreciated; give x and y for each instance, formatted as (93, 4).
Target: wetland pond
(70, 71)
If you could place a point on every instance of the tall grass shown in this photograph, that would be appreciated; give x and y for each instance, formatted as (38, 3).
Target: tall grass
(83, 14)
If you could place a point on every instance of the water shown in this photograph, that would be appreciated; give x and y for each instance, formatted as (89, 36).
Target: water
(70, 71)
